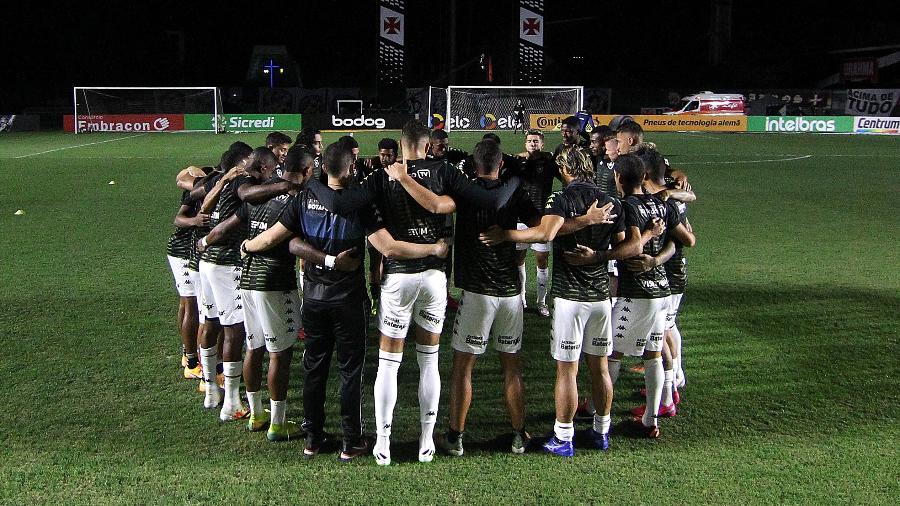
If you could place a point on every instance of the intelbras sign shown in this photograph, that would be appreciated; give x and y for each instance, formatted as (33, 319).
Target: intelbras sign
(363, 121)
(801, 124)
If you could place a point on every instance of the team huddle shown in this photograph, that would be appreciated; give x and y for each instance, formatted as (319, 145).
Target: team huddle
(294, 213)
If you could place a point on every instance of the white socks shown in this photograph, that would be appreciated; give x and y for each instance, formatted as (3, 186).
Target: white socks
(667, 387)
(277, 408)
(232, 372)
(654, 378)
(386, 391)
(601, 423)
(208, 361)
(614, 366)
(255, 400)
(522, 277)
(563, 431)
(385, 399)
(543, 277)
(429, 397)
(679, 372)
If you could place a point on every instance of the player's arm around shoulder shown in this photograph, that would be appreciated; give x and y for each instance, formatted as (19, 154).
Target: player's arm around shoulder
(431, 202)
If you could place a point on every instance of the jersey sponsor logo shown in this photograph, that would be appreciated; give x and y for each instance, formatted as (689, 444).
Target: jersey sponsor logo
(259, 225)
(418, 231)
(508, 340)
(315, 205)
(429, 317)
(600, 341)
(655, 337)
(475, 340)
(392, 322)
(655, 284)
(569, 345)
(423, 173)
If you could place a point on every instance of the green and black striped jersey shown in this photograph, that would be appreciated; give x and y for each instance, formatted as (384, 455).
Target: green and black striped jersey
(273, 269)
(676, 267)
(604, 177)
(226, 252)
(179, 243)
(640, 210)
(582, 283)
(489, 270)
(537, 173)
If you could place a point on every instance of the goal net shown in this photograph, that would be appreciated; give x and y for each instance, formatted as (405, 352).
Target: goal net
(105, 109)
(491, 107)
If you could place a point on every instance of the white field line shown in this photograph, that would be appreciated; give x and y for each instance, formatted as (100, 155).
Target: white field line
(80, 145)
(772, 160)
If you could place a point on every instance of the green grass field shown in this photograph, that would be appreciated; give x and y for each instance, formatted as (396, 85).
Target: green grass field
(791, 323)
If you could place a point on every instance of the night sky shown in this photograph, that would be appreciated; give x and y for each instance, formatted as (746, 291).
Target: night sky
(48, 48)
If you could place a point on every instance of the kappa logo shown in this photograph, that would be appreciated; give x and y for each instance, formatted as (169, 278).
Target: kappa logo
(623, 318)
(291, 330)
(620, 336)
(289, 320)
(431, 413)
(239, 307)
(238, 297)
(621, 327)
(237, 278)
(627, 300)
(289, 311)
(626, 309)
(208, 306)
(221, 313)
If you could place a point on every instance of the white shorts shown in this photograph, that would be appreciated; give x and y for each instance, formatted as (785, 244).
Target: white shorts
(672, 311)
(420, 297)
(271, 318)
(580, 326)
(541, 247)
(185, 279)
(220, 293)
(482, 318)
(638, 325)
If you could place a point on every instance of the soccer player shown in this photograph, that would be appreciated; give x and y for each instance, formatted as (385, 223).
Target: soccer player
(179, 250)
(388, 149)
(490, 309)
(440, 148)
(311, 138)
(220, 275)
(580, 291)
(413, 291)
(640, 310)
(271, 305)
(676, 273)
(537, 169)
(570, 128)
(335, 312)
(279, 144)
(630, 137)
(519, 116)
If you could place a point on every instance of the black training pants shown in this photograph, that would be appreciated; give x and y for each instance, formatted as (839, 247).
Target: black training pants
(328, 326)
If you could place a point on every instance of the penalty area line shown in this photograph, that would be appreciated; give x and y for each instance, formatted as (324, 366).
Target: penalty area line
(80, 146)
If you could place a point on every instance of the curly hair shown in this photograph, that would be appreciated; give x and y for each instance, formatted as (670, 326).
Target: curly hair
(577, 162)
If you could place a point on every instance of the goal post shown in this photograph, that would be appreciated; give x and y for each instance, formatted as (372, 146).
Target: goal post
(491, 107)
(146, 109)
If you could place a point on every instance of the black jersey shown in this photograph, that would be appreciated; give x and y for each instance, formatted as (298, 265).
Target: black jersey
(582, 283)
(604, 177)
(226, 252)
(640, 210)
(537, 173)
(273, 269)
(318, 169)
(511, 165)
(403, 217)
(676, 267)
(489, 270)
(179, 243)
(331, 233)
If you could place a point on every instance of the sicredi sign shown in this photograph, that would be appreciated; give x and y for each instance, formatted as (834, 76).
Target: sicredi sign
(876, 125)
(243, 122)
(801, 124)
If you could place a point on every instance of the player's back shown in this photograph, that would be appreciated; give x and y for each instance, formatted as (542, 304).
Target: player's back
(640, 211)
(405, 219)
(226, 251)
(585, 282)
(489, 270)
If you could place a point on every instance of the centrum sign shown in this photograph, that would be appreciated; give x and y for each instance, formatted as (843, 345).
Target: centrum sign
(870, 125)
(243, 122)
(124, 123)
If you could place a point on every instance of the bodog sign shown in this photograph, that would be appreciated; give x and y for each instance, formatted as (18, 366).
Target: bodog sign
(656, 123)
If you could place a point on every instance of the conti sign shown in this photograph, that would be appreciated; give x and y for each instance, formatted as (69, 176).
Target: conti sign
(657, 123)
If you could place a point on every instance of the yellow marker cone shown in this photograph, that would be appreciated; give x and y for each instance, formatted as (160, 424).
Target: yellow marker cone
(20, 212)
